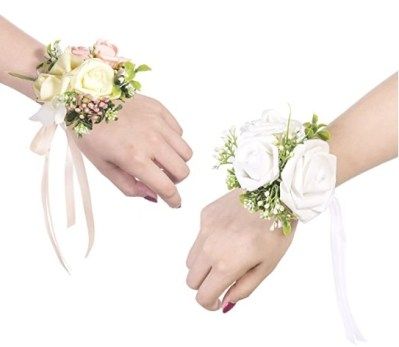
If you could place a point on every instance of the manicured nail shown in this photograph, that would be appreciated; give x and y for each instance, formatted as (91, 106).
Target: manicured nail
(228, 306)
(150, 198)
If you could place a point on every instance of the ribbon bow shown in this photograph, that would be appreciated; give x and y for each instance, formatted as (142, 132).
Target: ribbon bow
(51, 116)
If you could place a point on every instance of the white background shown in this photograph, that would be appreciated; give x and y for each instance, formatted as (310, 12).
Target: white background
(215, 64)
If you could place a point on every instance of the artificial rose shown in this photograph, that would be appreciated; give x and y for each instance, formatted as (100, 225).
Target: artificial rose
(80, 51)
(79, 55)
(108, 52)
(63, 65)
(308, 179)
(270, 124)
(93, 77)
(255, 163)
(46, 87)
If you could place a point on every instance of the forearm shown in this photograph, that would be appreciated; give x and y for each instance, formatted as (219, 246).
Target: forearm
(20, 53)
(366, 135)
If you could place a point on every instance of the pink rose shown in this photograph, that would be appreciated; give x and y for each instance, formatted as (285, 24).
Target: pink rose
(107, 52)
(80, 51)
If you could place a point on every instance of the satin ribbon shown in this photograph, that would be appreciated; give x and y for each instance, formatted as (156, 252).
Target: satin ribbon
(338, 243)
(51, 117)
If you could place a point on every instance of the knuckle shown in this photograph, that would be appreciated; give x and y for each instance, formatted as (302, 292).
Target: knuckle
(153, 139)
(137, 158)
(222, 266)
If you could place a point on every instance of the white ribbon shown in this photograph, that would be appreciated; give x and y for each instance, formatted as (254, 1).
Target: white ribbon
(51, 116)
(338, 259)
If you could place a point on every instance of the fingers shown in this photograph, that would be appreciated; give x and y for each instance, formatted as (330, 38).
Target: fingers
(171, 120)
(195, 250)
(171, 162)
(177, 143)
(244, 286)
(199, 272)
(213, 287)
(126, 183)
(152, 176)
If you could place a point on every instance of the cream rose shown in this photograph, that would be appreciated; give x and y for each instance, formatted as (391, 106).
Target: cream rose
(46, 87)
(255, 163)
(93, 77)
(308, 179)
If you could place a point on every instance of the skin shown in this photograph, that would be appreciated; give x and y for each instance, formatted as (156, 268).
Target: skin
(143, 153)
(235, 250)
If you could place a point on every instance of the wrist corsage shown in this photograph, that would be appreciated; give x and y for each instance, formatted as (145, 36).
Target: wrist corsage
(287, 173)
(85, 85)
(78, 88)
(284, 167)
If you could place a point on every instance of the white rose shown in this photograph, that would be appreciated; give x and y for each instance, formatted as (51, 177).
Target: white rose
(93, 77)
(46, 87)
(308, 179)
(255, 163)
(270, 124)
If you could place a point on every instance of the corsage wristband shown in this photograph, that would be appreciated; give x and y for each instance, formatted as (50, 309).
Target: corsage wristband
(78, 88)
(287, 173)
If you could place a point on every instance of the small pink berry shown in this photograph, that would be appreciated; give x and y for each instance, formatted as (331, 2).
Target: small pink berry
(87, 110)
(90, 105)
(77, 109)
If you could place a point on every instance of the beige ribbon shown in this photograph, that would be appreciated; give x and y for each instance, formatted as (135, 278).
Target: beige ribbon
(41, 145)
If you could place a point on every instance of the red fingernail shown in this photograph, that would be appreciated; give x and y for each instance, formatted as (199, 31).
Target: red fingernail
(228, 306)
(150, 198)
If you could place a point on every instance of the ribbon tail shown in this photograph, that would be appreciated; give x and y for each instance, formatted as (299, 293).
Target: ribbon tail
(47, 213)
(352, 331)
(69, 189)
(81, 174)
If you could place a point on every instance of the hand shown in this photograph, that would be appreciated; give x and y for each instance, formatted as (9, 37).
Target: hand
(234, 250)
(142, 152)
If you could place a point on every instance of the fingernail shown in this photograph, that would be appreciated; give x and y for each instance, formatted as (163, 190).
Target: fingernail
(150, 198)
(228, 306)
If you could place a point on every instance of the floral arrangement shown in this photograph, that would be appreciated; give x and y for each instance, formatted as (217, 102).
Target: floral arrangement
(87, 84)
(284, 167)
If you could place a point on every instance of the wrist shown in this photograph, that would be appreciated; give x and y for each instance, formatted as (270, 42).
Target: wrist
(23, 55)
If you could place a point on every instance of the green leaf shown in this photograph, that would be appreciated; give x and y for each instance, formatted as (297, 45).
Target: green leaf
(309, 133)
(143, 67)
(315, 118)
(23, 77)
(324, 135)
(136, 85)
(286, 228)
(129, 71)
(116, 92)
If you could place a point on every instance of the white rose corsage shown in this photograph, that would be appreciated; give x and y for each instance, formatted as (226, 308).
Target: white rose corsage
(284, 167)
